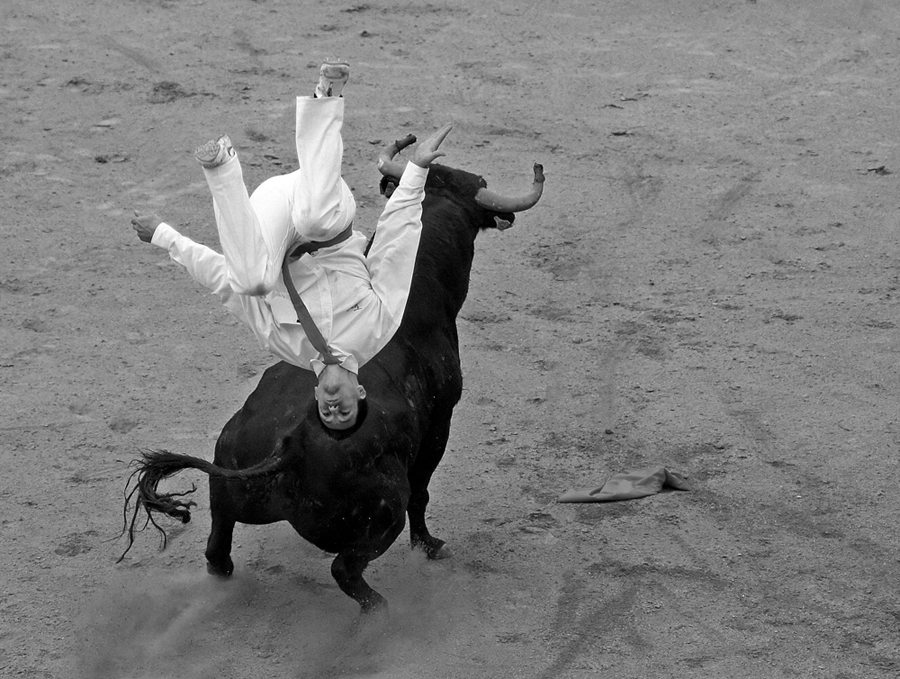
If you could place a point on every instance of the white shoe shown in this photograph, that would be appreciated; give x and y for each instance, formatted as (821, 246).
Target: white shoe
(333, 75)
(215, 152)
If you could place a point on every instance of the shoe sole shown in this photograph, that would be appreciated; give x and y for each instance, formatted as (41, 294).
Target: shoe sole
(333, 75)
(207, 153)
(336, 72)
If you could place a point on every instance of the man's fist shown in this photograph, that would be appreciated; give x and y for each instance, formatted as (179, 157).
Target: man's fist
(145, 225)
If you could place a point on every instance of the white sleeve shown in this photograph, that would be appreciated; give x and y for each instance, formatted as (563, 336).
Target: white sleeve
(392, 257)
(203, 264)
(206, 266)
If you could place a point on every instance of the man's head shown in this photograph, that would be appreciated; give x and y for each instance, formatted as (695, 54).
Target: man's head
(337, 395)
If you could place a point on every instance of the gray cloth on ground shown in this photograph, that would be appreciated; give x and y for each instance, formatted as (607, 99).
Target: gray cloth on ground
(628, 486)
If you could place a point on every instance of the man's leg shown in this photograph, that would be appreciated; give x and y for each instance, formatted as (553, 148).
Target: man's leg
(256, 232)
(323, 205)
(312, 204)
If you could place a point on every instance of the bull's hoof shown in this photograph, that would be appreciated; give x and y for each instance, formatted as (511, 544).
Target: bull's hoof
(223, 571)
(371, 624)
(442, 552)
(434, 548)
(373, 604)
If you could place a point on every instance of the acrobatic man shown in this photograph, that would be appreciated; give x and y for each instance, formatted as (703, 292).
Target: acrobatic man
(292, 269)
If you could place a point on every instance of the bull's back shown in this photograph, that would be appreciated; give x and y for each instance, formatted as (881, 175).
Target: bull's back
(423, 363)
(271, 412)
(409, 383)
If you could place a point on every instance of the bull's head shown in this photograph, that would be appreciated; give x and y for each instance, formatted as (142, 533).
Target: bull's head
(489, 200)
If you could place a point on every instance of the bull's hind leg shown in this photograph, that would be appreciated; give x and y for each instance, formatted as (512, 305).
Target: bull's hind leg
(218, 545)
(430, 453)
(347, 569)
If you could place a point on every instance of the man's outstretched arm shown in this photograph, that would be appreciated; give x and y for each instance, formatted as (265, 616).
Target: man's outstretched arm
(203, 264)
(392, 257)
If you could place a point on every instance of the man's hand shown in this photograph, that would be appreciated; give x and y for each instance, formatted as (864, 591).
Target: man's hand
(427, 151)
(145, 225)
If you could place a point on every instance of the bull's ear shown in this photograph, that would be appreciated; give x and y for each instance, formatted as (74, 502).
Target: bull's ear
(502, 224)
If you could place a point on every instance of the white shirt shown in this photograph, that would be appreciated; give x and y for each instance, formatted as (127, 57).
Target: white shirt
(356, 301)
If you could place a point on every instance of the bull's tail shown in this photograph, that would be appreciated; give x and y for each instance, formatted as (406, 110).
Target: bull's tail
(156, 465)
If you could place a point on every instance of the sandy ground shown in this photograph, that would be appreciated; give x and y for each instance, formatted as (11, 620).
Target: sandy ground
(710, 283)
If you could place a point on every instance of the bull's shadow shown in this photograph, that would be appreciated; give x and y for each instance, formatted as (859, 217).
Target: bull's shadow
(348, 492)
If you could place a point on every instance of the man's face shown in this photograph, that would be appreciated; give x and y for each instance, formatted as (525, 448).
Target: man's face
(337, 395)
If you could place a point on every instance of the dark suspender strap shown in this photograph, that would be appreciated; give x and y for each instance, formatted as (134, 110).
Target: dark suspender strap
(318, 245)
(309, 325)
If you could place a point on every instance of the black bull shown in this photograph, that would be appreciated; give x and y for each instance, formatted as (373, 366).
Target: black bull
(348, 492)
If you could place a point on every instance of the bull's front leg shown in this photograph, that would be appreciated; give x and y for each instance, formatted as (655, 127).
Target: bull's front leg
(431, 451)
(347, 569)
(419, 537)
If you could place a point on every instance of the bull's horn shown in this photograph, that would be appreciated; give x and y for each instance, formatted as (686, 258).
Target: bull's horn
(386, 163)
(494, 201)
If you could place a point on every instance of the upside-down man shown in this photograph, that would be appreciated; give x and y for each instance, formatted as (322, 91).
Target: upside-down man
(293, 239)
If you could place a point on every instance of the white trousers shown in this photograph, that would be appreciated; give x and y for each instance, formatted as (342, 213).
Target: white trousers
(312, 203)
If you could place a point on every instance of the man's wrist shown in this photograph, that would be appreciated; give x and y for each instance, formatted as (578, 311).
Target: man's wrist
(163, 235)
